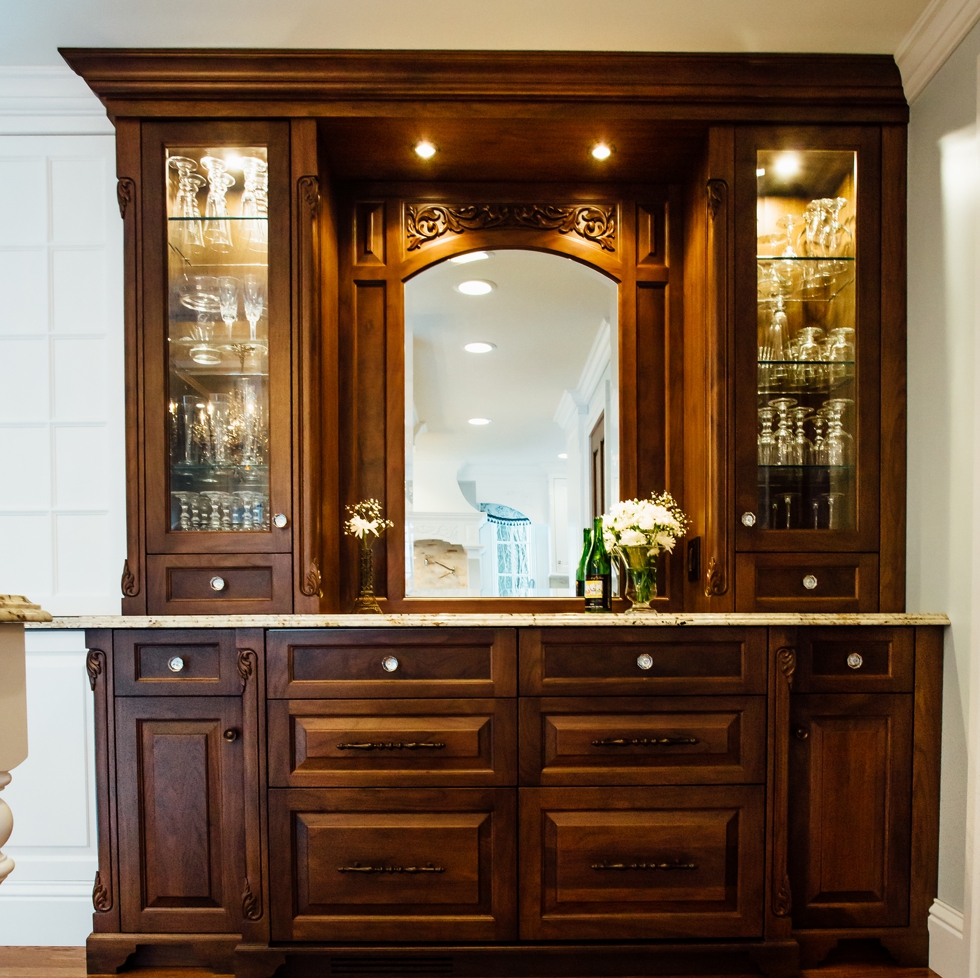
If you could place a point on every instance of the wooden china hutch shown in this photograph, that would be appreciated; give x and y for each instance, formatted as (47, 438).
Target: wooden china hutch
(513, 790)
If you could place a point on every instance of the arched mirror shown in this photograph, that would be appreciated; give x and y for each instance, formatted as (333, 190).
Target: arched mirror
(511, 422)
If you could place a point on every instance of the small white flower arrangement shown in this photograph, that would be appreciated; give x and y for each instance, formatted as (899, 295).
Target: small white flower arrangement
(366, 518)
(655, 523)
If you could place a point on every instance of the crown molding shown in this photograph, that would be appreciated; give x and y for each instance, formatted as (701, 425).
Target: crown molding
(41, 100)
(932, 39)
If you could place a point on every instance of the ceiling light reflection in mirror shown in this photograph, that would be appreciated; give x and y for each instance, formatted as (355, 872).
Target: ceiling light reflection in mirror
(499, 446)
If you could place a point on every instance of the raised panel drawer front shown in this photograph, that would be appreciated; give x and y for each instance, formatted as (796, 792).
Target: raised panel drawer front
(855, 660)
(646, 863)
(806, 582)
(392, 743)
(182, 662)
(393, 865)
(653, 740)
(213, 584)
(624, 661)
(180, 814)
(391, 662)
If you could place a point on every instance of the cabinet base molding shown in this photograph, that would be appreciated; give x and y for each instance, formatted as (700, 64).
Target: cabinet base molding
(108, 954)
(909, 948)
(777, 959)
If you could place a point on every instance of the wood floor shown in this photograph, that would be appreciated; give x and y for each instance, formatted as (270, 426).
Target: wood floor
(69, 962)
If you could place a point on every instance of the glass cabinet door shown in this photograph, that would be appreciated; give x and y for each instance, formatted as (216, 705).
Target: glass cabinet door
(807, 340)
(218, 338)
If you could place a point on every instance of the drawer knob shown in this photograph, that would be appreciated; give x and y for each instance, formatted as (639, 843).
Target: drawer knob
(810, 582)
(231, 735)
(280, 521)
(175, 664)
(855, 661)
(217, 583)
(748, 519)
(801, 733)
(389, 663)
(644, 660)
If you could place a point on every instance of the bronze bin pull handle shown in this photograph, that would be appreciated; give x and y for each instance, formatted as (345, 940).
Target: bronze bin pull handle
(644, 741)
(392, 745)
(677, 864)
(358, 868)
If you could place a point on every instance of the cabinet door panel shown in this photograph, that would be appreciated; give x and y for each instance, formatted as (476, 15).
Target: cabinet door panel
(181, 834)
(641, 862)
(850, 802)
(402, 865)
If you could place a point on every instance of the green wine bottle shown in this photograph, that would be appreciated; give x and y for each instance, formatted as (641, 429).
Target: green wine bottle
(598, 573)
(580, 572)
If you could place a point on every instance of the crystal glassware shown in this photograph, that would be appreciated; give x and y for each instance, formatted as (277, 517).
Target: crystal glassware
(228, 291)
(200, 293)
(785, 446)
(255, 201)
(840, 353)
(202, 349)
(213, 497)
(190, 233)
(839, 446)
(802, 447)
(810, 354)
(254, 299)
(838, 238)
(218, 229)
(767, 443)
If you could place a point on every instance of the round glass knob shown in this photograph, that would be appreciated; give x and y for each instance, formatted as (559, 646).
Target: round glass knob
(644, 660)
(748, 519)
(855, 661)
(217, 583)
(279, 520)
(809, 582)
(175, 664)
(389, 663)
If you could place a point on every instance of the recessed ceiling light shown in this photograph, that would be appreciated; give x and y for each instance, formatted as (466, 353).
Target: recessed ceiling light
(787, 165)
(479, 421)
(471, 256)
(425, 149)
(475, 286)
(480, 347)
(563, 455)
(601, 151)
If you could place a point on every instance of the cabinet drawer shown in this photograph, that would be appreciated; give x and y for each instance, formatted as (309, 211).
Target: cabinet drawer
(399, 865)
(806, 582)
(183, 662)
(370, 662)
(854, 660)
(212, 584)
(641, 862)
(392, 743)
(656, 740)
(620, 661)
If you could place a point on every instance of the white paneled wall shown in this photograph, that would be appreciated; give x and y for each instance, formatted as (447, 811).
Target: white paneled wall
(62, 475)
(62, 482)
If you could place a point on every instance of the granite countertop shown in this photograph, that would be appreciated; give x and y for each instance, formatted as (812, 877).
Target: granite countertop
(481, 620)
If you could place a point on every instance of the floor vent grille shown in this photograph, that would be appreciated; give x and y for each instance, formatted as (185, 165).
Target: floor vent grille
(354, 967)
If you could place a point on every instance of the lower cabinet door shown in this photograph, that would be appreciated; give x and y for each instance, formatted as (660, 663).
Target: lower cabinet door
(850, 803)
(180, 813)
(371, 864)
(622, 863)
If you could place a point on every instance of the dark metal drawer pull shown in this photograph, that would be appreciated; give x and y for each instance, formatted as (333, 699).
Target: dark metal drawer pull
(664, 866)
(644, 741)
(394, 745)
(358, 868)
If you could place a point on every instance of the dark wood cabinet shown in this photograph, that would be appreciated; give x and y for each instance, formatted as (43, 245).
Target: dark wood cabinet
(602, 808)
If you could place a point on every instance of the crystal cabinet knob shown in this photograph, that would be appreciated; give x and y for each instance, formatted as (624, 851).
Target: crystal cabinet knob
(175, 664)
(280, 520)
(389, 663)
(645, 660)
(809, 582)
(217, 583)
(855, 661)
(748, 519)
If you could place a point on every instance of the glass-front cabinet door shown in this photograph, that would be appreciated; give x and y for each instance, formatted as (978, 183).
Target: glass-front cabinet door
(218, 473)
(807, 341)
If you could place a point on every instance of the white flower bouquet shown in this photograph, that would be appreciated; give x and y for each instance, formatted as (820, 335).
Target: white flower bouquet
(366, 522)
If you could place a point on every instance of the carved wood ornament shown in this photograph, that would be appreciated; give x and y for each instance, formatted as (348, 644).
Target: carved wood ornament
(101, 897)
(247, 660)
(94, 664)
(125, 192)
(786, 658)
(128, 583)
(309, 192)
(251, 908)
(593, 222)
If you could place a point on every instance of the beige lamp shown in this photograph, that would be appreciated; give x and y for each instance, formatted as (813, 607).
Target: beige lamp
(14, 611)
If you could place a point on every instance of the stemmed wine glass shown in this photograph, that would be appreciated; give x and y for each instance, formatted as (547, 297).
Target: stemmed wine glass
(190, 233)
(838, 238)
(767, 444)
(802, 448)
(218, 230)
(785, 447)
(254, 298)
(228, 288)
(839, 448)
(255, 200)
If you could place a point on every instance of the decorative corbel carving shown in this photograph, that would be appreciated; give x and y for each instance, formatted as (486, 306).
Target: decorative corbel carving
(94, 665)
(125, 192)
(101, 897)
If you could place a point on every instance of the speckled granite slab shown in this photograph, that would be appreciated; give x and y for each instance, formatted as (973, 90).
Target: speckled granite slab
(483, 621)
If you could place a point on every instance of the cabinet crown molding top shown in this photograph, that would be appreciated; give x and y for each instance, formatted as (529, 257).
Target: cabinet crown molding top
(15, 607)
(707, 86)
(485, 620)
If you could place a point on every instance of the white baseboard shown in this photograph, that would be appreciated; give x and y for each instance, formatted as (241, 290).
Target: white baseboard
(48, 914)
(947, 949)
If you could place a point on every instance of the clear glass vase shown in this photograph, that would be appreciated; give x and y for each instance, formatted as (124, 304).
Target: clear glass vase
(641, 570)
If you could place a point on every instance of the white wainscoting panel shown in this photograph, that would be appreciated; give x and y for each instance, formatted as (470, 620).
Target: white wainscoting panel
(47, 900)
(947, 949)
